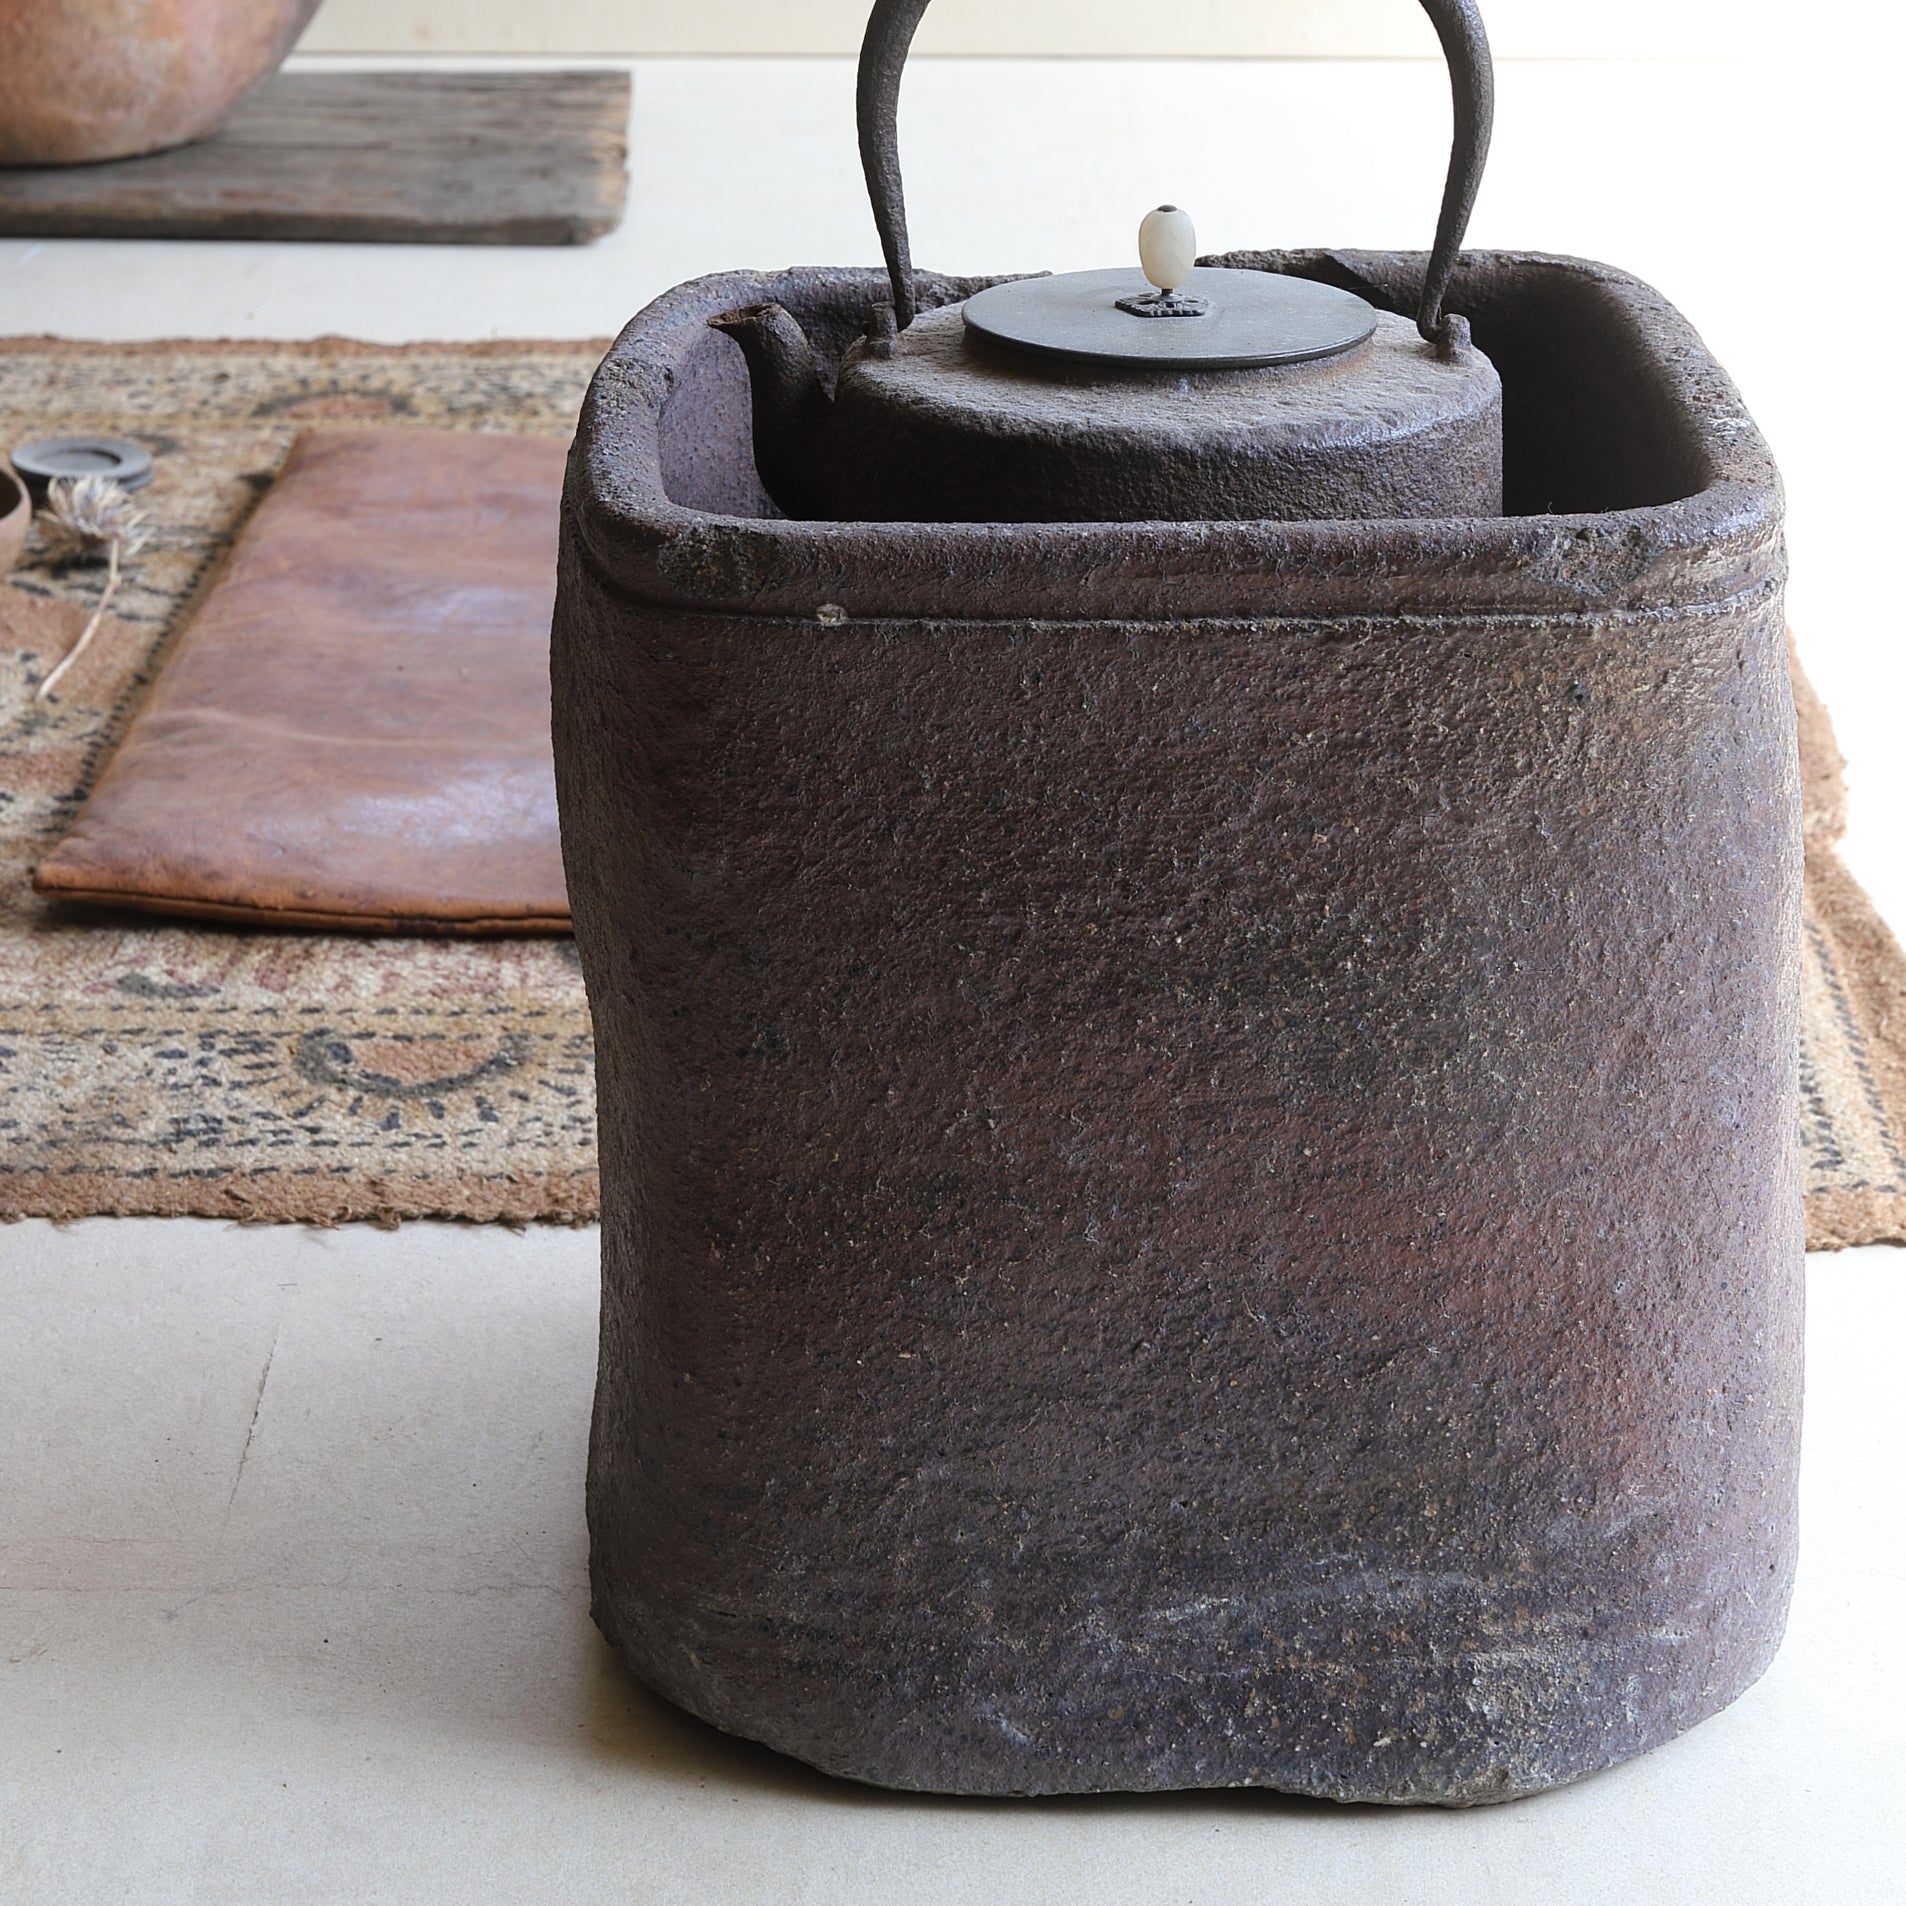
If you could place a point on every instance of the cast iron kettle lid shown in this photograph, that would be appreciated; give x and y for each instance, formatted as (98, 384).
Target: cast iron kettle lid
(1229, 320)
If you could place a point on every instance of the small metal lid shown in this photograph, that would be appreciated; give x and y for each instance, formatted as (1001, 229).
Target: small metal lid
(128, 464)
(1252, 319)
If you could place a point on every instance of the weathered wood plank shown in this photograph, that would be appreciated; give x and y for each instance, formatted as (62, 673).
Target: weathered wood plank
(400, 158)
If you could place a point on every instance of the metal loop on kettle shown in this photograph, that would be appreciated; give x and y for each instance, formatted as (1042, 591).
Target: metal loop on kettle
(883, 59)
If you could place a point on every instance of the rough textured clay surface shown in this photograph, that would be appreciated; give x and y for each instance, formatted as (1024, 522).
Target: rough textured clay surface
(106, 79)
(1162, 1225)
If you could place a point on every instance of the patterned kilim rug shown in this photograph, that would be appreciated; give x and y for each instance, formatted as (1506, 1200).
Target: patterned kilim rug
(194, 1070)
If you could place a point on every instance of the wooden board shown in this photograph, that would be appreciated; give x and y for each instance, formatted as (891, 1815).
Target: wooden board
(400, 158)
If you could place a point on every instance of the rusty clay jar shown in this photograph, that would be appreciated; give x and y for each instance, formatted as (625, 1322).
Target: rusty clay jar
(1199, 1119)
(84, 80)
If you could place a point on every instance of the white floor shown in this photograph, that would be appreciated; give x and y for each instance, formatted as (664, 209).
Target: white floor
(292, 1599)
(293, 1608)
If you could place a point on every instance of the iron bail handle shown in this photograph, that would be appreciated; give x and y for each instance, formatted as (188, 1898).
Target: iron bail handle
(883, 59)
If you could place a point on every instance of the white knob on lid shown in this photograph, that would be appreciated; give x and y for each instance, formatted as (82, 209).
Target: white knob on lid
(1168, 247)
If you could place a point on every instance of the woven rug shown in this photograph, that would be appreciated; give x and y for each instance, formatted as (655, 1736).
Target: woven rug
(193, 1070)
(148, 1068)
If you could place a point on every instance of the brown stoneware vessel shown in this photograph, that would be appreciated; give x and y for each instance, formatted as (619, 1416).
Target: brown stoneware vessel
(1191, 898)
(16, 517)
(1198, 1118)
(83, 80)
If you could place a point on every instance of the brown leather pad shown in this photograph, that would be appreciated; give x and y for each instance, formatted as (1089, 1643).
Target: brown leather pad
(354, 731)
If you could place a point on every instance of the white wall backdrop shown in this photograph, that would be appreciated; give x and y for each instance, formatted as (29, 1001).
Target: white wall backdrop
(1520, 29)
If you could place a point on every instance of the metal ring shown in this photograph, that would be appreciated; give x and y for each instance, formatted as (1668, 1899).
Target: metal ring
(128, 464)
(883, 59)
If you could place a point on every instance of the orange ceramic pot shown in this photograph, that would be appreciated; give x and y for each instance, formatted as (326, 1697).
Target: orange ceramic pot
(106, 79)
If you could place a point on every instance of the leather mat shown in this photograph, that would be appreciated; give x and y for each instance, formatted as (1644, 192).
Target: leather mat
(354, 730)
(149, 1067)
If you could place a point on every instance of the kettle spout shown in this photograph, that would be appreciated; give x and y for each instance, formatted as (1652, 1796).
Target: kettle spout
(790, 402)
